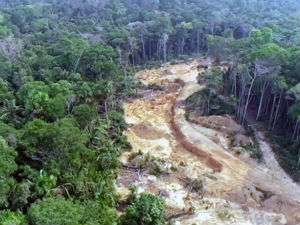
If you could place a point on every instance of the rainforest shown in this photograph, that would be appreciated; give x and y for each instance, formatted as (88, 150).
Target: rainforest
(149, 112)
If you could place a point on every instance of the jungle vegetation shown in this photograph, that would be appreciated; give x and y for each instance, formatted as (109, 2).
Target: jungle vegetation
(66, 66)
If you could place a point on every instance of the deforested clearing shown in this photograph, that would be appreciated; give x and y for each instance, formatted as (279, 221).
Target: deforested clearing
(149, 112)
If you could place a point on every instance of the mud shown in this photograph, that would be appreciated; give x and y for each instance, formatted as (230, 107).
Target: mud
(237, 190)
(221, 123)
(147, 131)
(180, 137)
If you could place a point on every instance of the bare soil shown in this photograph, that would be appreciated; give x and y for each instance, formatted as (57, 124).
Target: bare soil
(237, 189)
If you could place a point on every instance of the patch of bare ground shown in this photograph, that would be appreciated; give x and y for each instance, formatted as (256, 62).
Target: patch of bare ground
(171, 156)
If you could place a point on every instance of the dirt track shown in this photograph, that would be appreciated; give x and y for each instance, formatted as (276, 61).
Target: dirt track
(237, 189)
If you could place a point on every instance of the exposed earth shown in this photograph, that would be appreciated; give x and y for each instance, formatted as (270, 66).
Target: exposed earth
(191, 164)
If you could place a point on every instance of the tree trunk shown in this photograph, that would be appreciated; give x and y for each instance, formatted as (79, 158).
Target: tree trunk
(239, 109)
(182, 45)
(248, 98)
(158, 50)
(298, 159)
(125, 74)
(150, 50)
(295, 130)
(143, 48)
(261, 99)
(198, 41)
(132, 53)
(165, 39)
(233, 88)
(267, 105)
(78, 59)
(208, 103)
(272, 111)
(106, 111)
(203, 107)
(277, 110)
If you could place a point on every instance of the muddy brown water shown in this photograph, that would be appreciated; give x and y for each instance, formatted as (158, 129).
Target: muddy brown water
(237, 189)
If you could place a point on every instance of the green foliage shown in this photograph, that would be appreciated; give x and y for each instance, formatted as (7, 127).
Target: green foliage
(39, 63)
(69, 52)
(146, 210)
(4, 31)
(160, 24)
(21, 194)
(55, 211)
(34, 136)
(145, 162)
(99, 62)
(34, 95)
(287, 149)
(187, 25)
(7, 167)
(61, 95)
(254, 151)
(8, 217)
(2, 18)
(261, 36)
(56, 108)
(214, 78)
(108, 158)
(6, 187)
(116, 126)
(118, 35)
(44, 183)
(40, 25)
(62, 87)
(294, 110)
(295, 91)
(209, 103)
(228, 33)
(85, 114)
(84, 90)
(280, 83)
(93, 61)
(60, 144)
(97, 213)
(7, 159)
(9, 133)
(5, 93)
(217, 47)
(271, 52)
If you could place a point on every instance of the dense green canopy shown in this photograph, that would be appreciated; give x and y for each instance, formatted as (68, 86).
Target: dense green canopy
(66, 66)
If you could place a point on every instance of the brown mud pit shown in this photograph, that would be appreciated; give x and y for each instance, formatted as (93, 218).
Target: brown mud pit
(236, 189)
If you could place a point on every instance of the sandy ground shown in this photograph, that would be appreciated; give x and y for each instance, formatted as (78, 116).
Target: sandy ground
(236, 189)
